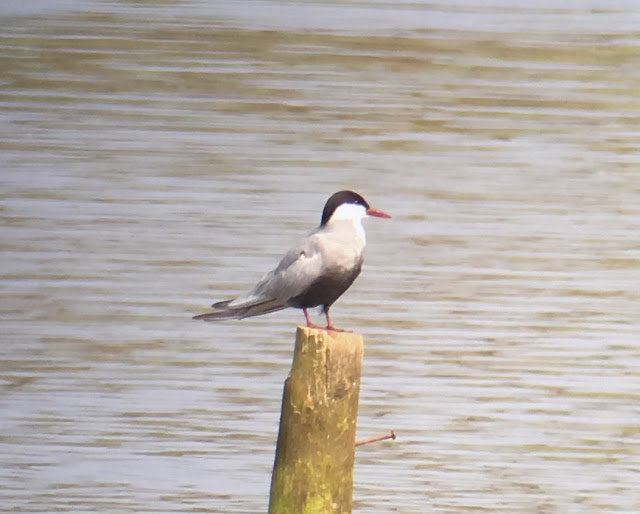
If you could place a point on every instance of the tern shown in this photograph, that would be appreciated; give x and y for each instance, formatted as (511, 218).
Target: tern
(316, 272)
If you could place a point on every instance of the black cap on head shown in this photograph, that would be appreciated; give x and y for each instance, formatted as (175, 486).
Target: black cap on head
(337, 199)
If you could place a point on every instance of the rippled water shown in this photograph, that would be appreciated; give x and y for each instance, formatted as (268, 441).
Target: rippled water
(159, 156)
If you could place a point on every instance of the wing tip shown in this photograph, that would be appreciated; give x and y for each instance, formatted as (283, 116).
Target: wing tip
(203, 317)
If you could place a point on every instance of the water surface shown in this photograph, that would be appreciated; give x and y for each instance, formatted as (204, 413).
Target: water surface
(160, 156)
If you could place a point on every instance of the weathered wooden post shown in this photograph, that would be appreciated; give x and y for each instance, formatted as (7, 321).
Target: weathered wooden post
(313, 469)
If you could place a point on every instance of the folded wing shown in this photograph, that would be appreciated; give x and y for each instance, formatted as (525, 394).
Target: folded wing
(299, 268)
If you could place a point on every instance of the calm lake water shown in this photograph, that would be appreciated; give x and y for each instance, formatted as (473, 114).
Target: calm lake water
(158, 156)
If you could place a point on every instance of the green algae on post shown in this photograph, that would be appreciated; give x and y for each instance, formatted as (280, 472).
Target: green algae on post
(313, 469)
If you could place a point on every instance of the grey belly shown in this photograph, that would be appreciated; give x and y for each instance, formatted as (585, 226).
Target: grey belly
(326, 289)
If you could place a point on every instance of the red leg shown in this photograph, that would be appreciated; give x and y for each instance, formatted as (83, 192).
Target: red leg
(310, 324)
(329, 325)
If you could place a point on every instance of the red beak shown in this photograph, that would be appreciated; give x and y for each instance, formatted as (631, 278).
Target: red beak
(376, 213)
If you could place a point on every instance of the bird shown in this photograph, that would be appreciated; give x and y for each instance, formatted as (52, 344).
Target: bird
(316, 272)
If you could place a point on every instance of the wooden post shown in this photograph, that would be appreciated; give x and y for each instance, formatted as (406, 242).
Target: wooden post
(313, 469)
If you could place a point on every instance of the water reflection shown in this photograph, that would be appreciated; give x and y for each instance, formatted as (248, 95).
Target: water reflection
(160, 156)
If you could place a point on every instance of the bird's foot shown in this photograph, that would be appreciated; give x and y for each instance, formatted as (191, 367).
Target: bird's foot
(331, 328)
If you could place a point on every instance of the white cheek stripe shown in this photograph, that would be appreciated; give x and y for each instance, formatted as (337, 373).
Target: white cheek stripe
(349, 211)
(353, 213)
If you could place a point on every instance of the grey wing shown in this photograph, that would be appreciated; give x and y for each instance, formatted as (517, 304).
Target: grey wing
(298, 269)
